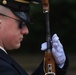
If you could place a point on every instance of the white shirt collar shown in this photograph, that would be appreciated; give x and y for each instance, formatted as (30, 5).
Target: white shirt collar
(3, 49)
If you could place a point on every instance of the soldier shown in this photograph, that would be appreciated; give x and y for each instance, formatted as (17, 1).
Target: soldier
(13, 25)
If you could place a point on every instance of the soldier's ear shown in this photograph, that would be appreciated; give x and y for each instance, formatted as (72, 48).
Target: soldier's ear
(0, 21)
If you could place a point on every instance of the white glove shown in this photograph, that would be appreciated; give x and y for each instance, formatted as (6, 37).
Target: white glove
(57, 50)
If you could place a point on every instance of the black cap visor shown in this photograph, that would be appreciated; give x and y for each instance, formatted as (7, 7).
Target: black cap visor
(23, 16)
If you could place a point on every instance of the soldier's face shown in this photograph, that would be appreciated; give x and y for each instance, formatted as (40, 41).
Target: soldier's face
(12, 34)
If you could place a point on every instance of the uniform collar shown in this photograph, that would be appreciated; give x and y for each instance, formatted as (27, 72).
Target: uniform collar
(3, 49)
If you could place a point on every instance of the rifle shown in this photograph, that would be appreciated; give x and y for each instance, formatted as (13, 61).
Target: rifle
(49, 63)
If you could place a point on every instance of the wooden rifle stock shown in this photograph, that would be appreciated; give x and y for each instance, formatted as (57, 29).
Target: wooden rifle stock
(49, 63)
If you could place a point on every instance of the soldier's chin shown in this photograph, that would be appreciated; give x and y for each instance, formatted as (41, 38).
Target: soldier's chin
(17, 46)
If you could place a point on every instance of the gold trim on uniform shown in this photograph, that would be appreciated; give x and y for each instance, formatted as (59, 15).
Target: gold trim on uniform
(22, 1)
(4, 2)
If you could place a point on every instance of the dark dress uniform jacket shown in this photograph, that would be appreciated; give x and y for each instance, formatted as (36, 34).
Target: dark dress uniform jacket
(9, 67)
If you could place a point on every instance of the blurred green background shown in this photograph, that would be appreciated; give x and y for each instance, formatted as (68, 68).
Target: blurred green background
(62, 21)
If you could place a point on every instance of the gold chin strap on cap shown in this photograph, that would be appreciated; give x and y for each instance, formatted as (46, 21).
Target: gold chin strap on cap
(22, 1)
(35, 2)
(4, 2)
